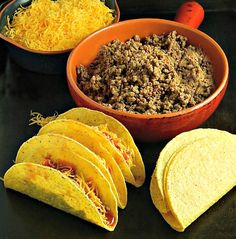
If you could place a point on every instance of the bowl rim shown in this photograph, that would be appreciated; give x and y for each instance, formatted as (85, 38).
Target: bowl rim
(93, 104)
(16, 44)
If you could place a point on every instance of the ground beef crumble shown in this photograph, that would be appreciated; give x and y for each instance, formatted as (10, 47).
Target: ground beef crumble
(158, 74)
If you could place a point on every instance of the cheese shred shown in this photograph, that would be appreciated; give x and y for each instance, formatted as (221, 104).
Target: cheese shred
(88, 187)
(38, 119)
(57, 25)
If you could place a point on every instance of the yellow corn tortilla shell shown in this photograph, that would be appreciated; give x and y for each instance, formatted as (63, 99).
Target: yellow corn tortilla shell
(40, 146)
(167, 216)
(180, 141)
(97, 118)
(56, 189)
(198, 176)
(90, 139)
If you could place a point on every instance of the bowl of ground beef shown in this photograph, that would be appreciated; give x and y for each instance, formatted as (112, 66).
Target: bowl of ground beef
(158, 77)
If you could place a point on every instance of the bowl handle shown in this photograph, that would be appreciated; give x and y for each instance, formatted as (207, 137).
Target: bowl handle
(190, 13)
(4, 4)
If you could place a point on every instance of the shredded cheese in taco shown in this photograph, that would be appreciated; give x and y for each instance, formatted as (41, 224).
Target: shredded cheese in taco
(126, 152)
(38, 119)
(87, 186)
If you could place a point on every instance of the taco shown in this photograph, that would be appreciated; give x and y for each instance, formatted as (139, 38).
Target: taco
(49, 142)
(88, 137)
(119, 141)
(67, 181)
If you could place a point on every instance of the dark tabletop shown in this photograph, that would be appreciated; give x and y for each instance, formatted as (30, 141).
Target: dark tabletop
(22, 91)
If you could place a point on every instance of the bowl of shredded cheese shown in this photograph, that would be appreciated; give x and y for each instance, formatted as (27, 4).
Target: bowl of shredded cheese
(41, 33)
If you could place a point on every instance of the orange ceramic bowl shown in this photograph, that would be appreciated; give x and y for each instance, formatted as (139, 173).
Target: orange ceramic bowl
(154, 127)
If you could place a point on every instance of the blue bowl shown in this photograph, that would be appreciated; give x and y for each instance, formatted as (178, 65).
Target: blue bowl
(48, 62)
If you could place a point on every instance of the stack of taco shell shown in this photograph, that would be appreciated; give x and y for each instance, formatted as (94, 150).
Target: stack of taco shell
(193, 171)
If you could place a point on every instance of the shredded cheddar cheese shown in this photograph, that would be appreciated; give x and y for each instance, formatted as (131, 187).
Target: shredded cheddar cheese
(126, 152)
(57, 25)
(87, 186)
(90, 189)
(38, 119)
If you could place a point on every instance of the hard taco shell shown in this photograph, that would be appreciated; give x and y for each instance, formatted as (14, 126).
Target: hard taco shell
(56, 189)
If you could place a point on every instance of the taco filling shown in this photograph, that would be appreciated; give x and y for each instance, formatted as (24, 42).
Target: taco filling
(87, 186)
(126, 152)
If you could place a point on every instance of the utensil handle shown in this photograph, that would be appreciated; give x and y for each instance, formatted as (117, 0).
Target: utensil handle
(4, 4)
(190, 13)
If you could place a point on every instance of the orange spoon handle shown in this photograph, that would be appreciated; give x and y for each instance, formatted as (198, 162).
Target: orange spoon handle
(190, 13)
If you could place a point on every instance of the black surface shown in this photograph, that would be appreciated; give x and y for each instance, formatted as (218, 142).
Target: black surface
(22, 91)
(152, 8)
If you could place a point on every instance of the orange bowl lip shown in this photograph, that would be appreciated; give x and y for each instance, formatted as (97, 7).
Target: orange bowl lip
(7, 39)
(105, 109)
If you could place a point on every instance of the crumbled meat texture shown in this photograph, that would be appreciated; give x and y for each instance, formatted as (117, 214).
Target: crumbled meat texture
(158, 74)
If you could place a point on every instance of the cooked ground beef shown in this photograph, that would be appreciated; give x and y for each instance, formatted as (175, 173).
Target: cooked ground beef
(158, 74)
